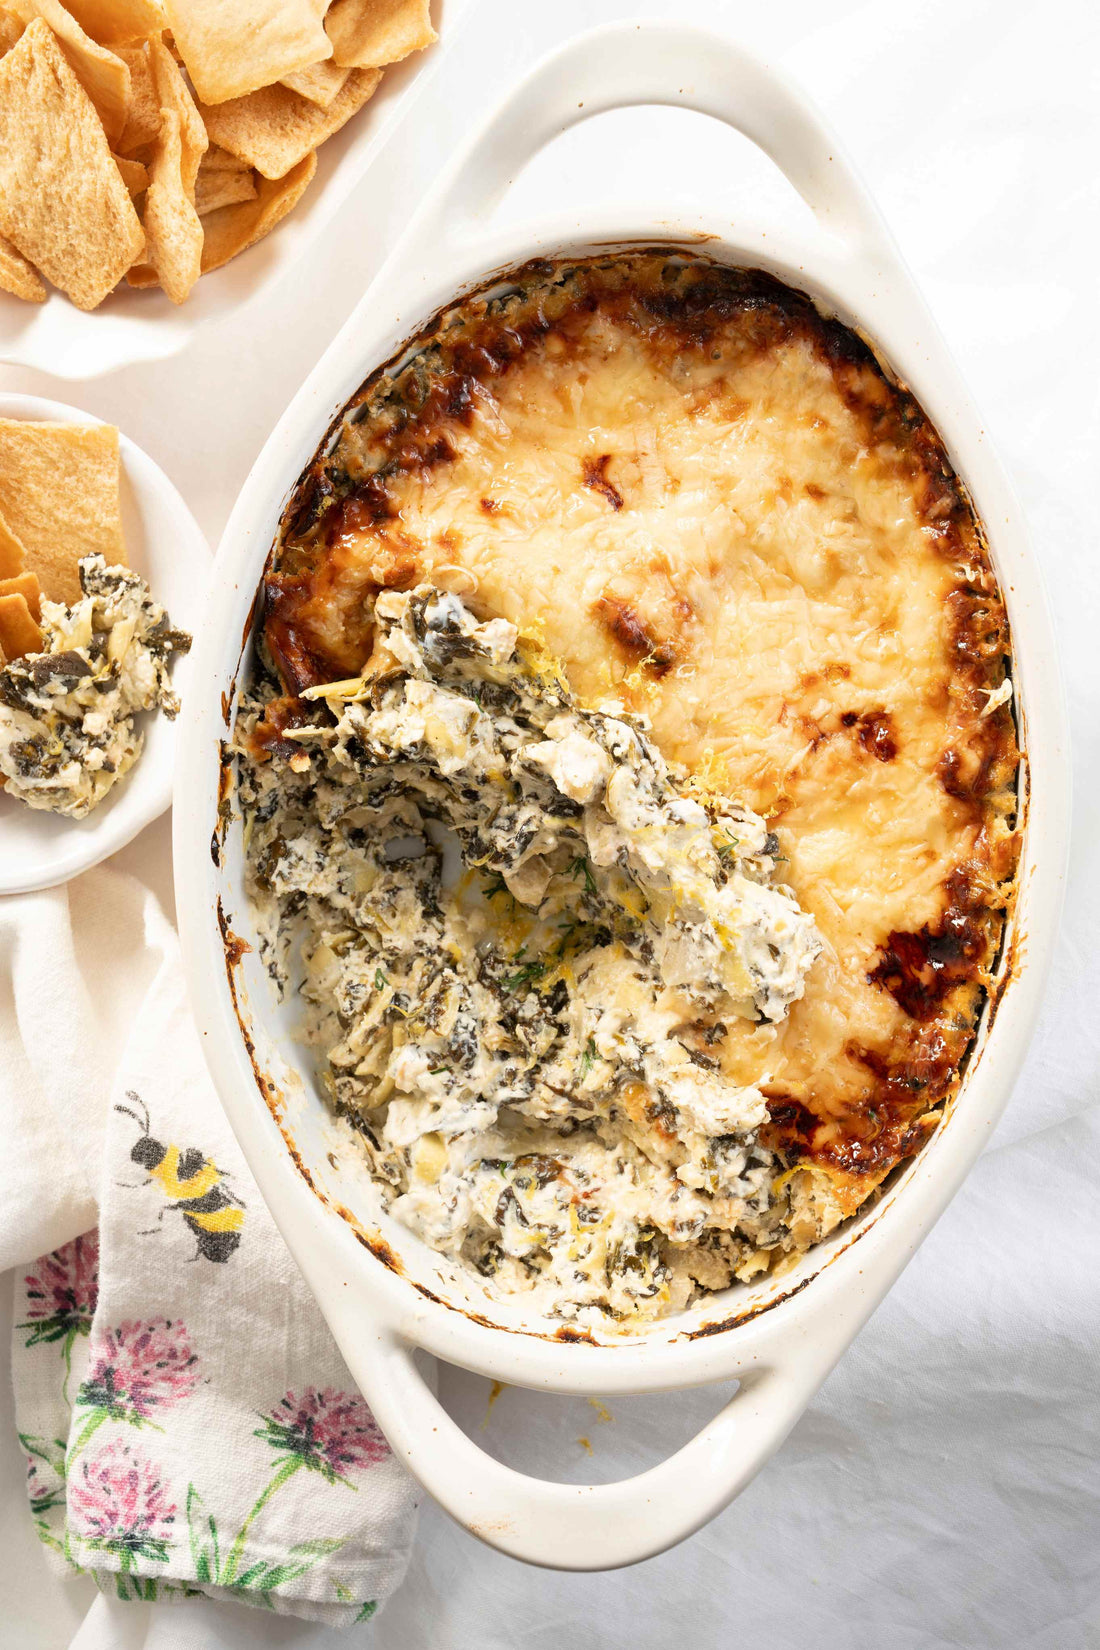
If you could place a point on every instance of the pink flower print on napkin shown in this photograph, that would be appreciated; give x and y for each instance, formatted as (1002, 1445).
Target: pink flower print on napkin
(45, 1480)
(62, 1291)
(329, 1432)
(45, 1458)
(118, 1504)
(135, 1371)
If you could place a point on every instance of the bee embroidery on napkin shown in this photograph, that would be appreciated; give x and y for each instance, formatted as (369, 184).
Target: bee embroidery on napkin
(193, 1187)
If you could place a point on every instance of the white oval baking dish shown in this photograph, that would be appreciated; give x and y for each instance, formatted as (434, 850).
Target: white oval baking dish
(384, 1294)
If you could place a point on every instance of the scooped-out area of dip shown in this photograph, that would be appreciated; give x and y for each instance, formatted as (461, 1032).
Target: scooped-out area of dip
(520, 935)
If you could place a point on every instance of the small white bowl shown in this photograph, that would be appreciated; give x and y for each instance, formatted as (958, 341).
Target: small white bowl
(163, 544)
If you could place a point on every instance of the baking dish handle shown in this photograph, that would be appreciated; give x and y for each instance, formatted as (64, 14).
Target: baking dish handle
(576, 1526)
(627, 64)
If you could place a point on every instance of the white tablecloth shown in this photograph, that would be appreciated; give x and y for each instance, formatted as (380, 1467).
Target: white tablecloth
(943, 1488)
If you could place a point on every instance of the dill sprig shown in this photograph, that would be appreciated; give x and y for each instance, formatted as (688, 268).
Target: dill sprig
(581, 868)
(526, 975)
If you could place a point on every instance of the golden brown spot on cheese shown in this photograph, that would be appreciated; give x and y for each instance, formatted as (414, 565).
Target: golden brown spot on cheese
(633, 636)
(595, 476)
(920, 970)
(874, 730)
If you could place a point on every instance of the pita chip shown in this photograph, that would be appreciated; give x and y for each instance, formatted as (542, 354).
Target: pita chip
(13, 557)
(223, 188)
(233, 229)
(232, 47)
(19, 277)
(174, 94)
(274, 129)
(143, 117)
(320, 82)
(368, 34)
(59, 494)
(134, 175)
(27, 586)
(18, 631)
(220, 160)
(11, 28)
(104, 77)
(173, 233)
(63, 203)
(117, 22)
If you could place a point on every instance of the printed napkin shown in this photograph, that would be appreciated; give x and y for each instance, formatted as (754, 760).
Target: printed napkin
(187, 1420)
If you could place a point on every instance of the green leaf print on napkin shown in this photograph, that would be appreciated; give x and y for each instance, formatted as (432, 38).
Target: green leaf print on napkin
(327, 1432)
(61, 1297)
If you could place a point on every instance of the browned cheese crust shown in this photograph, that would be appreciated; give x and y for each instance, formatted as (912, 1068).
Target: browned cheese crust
(713, 504)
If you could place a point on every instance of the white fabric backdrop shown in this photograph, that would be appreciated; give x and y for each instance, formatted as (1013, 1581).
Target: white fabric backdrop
(944, 1488)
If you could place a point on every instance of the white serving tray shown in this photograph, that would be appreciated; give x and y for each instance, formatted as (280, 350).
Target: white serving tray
(129, 327)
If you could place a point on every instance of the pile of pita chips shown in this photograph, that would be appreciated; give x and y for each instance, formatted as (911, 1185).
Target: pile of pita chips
(153, 140)
(59, 501)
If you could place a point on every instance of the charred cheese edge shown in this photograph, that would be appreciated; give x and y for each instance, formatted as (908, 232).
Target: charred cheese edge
(711, 501)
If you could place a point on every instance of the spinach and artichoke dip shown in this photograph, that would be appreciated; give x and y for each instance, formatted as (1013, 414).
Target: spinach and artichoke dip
(68, 732)
(524, 1025)
(613, 542)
